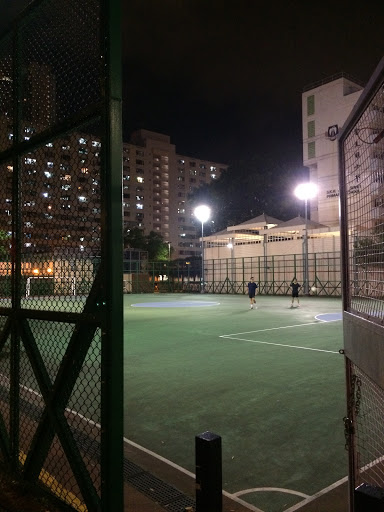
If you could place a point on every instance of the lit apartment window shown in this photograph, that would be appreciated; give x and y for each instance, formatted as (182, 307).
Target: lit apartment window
(181, 162)
(310, 105)
(139, 206)
(140, 179)
(213, 176)
(96, 144)
(30, 160)
(82, 141)
(311, 150)
(49, 164)
(48, 174)
(49, 145)
(311, 129)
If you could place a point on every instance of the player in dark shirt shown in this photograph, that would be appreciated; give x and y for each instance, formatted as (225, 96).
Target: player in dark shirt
(295, 291)
(252, 292)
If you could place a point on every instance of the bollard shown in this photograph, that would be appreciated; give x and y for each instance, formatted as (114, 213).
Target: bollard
(209, 495)
(369, 498)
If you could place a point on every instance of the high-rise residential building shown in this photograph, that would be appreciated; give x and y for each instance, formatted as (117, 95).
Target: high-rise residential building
(157, 182)
(325, 107)
(61, 180)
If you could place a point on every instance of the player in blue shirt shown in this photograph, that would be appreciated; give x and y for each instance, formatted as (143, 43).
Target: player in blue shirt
(252, 292)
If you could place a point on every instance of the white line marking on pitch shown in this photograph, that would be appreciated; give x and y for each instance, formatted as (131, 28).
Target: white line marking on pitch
(233, 497)
(271, 489)
(271, 329)
(326, 490)
(230, 337)
(149, 452)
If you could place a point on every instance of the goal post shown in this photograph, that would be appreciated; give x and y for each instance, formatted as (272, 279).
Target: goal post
(50, 285)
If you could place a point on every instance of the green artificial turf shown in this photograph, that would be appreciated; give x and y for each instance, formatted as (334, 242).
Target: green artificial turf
(277, 408)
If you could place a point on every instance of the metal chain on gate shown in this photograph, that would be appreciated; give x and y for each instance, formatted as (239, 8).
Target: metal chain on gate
(353, 409)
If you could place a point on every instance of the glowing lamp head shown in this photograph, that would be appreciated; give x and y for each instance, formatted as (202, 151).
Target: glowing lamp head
(202, 213)
(36, 271)
(306, 191)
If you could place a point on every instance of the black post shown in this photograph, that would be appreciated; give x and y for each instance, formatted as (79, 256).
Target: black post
(368, 497)
(209, 496)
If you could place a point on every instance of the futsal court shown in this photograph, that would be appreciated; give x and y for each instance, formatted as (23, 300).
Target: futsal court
(269, 381)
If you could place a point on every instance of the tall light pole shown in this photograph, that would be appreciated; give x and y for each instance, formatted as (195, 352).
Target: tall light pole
(306, 191)
(202, 213)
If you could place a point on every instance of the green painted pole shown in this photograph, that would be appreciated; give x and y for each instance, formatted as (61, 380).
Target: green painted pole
(112, 253)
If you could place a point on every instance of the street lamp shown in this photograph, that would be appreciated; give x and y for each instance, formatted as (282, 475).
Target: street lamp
(306, 191)
(202, 213)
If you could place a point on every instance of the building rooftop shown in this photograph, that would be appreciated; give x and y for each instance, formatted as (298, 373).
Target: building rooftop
(332, 78)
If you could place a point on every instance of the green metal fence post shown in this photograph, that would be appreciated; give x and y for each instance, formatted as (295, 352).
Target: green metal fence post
(112, 338)
(16, 254)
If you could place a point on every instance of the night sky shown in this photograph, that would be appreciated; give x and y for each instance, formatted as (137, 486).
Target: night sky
(224, 79)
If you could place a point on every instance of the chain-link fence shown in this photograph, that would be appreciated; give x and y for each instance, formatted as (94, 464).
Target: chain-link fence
(365, 406)
(362, 207)
(273, 274)
(60, 159)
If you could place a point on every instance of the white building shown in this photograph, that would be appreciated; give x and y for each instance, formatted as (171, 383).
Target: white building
(325, 107)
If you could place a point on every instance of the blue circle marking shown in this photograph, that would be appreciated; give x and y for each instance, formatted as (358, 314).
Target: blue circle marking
(329, 317)
(179, 304)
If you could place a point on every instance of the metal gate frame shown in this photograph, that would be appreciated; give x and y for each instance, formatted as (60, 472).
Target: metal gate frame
(363, 306)
(103, 309)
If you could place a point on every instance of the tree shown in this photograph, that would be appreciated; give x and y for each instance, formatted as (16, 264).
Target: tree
(153, 243)
(134, 238)
(156, 247)
(4, 245)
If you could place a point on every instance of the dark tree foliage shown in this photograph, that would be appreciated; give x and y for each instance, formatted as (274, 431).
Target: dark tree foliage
(4, 245)
(250, 188)
(153, 243)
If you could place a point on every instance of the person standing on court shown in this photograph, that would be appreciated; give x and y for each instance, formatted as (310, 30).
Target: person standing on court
(295, 291)
(252, 292)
